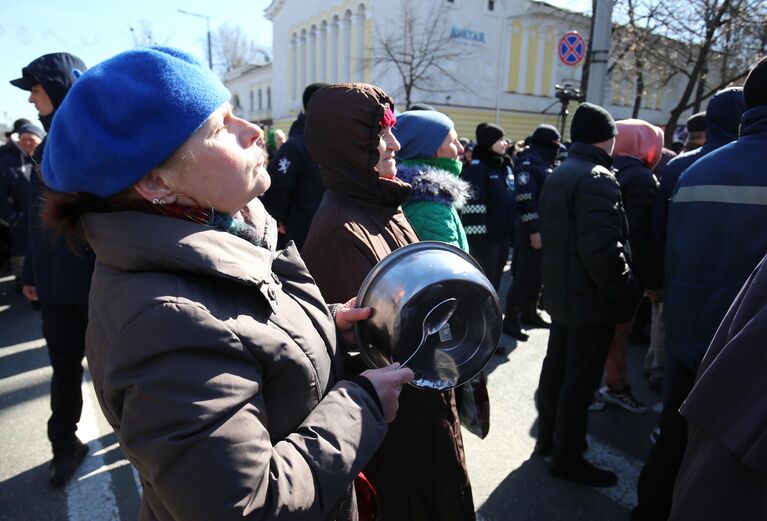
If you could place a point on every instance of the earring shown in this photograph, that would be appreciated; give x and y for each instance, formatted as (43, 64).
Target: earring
(159, 201)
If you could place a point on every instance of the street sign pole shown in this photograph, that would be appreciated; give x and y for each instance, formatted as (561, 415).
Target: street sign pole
(600, 50)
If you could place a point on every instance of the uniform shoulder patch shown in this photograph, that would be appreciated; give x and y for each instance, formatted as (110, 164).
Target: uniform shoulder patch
(283, 164)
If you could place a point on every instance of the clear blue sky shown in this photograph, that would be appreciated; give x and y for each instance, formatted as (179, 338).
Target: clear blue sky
(97, 29)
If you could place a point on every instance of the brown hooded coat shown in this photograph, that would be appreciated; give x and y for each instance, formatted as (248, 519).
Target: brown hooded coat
(419, 471)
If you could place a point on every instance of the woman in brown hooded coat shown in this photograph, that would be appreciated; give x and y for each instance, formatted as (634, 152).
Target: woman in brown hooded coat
(419, 471)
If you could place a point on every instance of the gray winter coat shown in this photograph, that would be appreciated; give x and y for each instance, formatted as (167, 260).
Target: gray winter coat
(214, 360)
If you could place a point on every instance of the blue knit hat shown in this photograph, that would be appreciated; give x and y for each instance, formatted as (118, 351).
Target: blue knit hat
(125, 116)
(420, 133)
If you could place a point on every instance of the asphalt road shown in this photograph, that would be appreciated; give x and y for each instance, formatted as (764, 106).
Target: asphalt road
(508, 482)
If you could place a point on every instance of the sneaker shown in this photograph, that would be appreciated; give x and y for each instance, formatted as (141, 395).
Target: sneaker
(581, 471)
(597, 404)
(622, 398)
(65, 463)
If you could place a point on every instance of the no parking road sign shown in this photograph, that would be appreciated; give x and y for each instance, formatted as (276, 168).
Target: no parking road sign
(572, 48)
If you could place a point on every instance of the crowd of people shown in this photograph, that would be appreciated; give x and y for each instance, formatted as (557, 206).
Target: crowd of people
(208, 270)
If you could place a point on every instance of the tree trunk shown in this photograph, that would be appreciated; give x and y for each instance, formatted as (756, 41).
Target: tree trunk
(699, 92)
(639, 95)
(700, 63)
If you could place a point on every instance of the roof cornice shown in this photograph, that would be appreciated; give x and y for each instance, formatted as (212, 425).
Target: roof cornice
(274, 9)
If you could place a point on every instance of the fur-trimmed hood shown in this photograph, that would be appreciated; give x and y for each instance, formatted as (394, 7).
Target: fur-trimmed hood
(434, 184)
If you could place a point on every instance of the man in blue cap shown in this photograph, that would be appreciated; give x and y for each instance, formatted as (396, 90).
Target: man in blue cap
(56, 278)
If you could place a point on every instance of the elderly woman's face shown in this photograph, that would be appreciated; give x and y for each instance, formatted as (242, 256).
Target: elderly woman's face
(387, 146)
(223, 165)
(450, 148)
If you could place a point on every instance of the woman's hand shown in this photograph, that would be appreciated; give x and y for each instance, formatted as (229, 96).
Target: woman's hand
(347, 315)
(388, 382)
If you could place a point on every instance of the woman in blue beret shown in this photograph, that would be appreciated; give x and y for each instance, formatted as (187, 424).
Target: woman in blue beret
(213, 356)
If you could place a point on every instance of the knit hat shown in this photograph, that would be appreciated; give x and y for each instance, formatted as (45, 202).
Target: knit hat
(755, 88)
(420, 133)
(16, 124)
(546, 135)
(127, 115)
(488, 135)
(696, 122)
(31, 128)
(592, 124)
(479, 127)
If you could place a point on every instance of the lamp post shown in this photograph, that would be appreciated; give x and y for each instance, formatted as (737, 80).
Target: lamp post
(600, 51)
(207, 20)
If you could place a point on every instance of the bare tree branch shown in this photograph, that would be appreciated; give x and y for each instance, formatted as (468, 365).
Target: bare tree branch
(419, 55)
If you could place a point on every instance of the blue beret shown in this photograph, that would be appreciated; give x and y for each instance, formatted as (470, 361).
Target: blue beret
(420, 133)
(125, 116)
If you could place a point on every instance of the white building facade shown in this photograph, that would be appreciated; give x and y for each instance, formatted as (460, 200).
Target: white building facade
(251, 88)
(506, 59)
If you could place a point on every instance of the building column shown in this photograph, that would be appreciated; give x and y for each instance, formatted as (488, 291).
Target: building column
(312, 54)
(346, 44)
(293, 68)
(302, 62)
(358, 54)
(323, 53)
(333, 50)
(523, 61)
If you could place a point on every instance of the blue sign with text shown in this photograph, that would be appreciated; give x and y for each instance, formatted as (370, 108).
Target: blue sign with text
(457, 33)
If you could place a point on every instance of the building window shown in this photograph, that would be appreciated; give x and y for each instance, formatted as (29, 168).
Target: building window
(491, 5)
(251, 101)
(450, 1)
(268, 98)
(260, 100)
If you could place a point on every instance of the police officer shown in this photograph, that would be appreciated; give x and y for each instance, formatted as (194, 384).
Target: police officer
(488, 217)
(535, 163)
(56, 277)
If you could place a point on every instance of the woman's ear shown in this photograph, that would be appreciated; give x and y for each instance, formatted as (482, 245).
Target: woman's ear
(155, 187)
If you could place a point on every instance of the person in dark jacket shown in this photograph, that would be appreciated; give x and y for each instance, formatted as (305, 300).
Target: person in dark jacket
(715, 239)
(15, 172)
(57, 277)
(213, 356)
(360, 222)
(490, 214)
(297, 187)
(638, 148)
(723, 120)
(533, 165)
(588, 287)
(696, 131)
(11, 137)
(724, 471)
